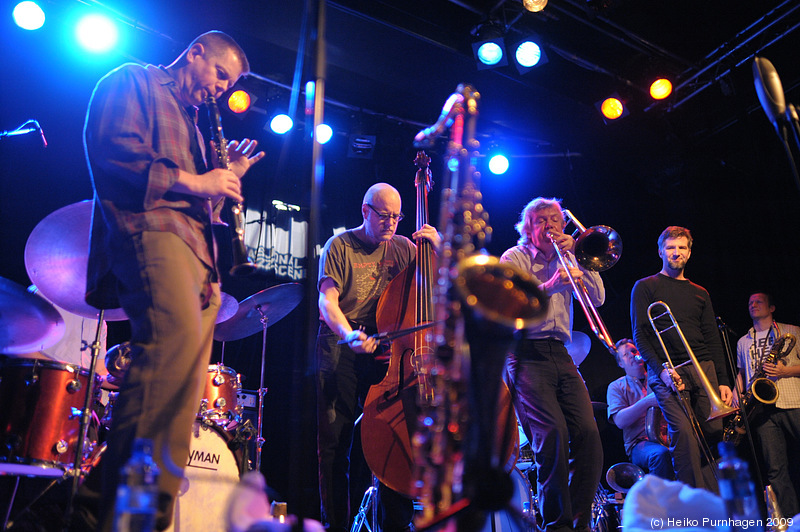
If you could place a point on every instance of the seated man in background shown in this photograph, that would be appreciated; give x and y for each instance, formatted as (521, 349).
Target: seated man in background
(629, 399)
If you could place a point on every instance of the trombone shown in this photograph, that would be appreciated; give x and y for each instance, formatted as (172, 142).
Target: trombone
(596, 249)
(718, 408)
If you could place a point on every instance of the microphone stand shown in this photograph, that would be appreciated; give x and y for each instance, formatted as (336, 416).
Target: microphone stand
(725, 331)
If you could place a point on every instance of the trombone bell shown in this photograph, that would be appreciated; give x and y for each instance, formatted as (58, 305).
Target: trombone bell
(598, 248)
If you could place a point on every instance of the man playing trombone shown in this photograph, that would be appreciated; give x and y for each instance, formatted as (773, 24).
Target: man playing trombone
(777, 423)
(550, 396)
(680, 392)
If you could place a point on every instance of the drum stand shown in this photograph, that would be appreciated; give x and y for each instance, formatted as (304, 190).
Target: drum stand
(84, 424)
(261, 390)
(368, 504)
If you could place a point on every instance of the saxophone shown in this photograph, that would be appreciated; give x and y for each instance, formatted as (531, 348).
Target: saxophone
(760, 388)
(478, 302)
(233, 214)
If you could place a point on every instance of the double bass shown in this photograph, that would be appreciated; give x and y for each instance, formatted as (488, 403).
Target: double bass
(391, 406)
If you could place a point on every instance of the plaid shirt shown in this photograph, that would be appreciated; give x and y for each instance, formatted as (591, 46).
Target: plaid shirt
(137, 136)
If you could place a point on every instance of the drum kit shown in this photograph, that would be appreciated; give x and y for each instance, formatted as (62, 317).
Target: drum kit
(48, 404)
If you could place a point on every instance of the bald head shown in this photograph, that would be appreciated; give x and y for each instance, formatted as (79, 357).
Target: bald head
(380, 191)
(382, 200)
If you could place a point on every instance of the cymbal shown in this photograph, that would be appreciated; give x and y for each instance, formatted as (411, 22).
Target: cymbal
(272, 303)
(56, 255)
(27, 322)
(579, 347)
(227, 308)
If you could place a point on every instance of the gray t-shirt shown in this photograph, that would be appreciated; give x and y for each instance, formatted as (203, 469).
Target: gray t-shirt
(361, 271)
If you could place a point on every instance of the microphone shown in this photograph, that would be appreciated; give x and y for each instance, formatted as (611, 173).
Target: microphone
(769, 90)
(722, 325)
(41, 132)
(426, 137)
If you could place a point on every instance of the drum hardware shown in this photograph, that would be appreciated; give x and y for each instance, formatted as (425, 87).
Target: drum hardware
(255, 313)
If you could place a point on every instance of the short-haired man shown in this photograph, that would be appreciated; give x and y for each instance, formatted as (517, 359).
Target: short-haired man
(691, 306)
(777, 425)
(629, 398)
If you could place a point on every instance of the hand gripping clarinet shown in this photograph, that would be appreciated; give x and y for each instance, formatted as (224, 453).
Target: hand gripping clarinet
(232, 213)
(478, 302)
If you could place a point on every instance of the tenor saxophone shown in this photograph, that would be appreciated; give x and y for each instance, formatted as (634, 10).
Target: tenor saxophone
(478, 302)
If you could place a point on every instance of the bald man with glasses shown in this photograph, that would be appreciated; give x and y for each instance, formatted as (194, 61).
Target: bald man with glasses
(356, 266)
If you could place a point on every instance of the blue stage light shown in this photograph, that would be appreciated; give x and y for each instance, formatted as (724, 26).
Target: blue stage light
(28, 16)
(324, 133)
(528, 54)
(96, 33)
(498, 164)
(281, 124)
(490, 53)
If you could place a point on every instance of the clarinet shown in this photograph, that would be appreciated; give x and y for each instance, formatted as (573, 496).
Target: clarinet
(232, 213)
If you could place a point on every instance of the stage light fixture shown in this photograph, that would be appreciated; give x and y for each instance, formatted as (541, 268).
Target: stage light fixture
(239, 101)
(488, 47)
(612, 108)
(281, 124)
(28, 16)
(534, 6)
(529, 54)
(324, 133)
(96, 33)
(660, 89)
(498, 164)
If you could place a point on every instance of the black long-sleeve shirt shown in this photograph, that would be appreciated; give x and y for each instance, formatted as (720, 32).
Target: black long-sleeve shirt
(691, 306)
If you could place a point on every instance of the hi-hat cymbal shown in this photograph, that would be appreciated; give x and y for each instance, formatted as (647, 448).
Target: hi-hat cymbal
(56, 255)
(227, 308)
(579, 347)
(27, 322)
(271, 304)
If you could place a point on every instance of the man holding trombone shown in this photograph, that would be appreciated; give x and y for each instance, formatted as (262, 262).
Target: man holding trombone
(550, 396)
(686, 394)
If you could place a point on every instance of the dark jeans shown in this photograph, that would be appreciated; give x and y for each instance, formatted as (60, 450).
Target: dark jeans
(653, 458)
(343, 379)
(555, 410)
(687, 457)
(779, 427)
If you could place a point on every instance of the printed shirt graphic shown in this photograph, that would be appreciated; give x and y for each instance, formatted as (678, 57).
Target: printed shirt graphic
(361, 272)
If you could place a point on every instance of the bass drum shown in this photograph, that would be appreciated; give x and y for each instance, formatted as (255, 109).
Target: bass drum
(521, 516)
(210, 477)
(38, 430)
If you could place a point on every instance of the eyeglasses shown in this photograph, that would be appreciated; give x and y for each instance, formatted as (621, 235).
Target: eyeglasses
(386, 217)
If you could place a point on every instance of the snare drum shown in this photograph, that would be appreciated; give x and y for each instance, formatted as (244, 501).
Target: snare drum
(210, 476)
(40, 415)
(220, 402)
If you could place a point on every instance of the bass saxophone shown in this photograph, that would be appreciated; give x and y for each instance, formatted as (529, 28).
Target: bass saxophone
(760, 388)
(478, 302)
(232, 213)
